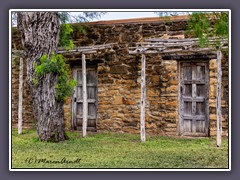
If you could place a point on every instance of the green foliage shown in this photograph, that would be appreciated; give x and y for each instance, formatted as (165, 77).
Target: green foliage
(200, 25)
(66, 36)
(221, 24)
(56, 65)
(66, 31)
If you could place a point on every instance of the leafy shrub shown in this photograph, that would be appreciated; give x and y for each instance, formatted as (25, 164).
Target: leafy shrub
(56, 65)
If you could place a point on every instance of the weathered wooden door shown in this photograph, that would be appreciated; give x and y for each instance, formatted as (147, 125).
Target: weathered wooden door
(77, 101)
(193, 97)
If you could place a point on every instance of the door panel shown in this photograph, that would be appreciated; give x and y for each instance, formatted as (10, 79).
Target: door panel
(193, 93)
(200, 72)
(77, 105)
(200, 108)
(200, 125)
(187, 108)
(187, 72)
(188, 90)
(201, 90)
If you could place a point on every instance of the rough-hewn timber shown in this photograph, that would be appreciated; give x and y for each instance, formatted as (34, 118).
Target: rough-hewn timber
(143, 99)
(20, 98)
(219, 95)
(84, 91)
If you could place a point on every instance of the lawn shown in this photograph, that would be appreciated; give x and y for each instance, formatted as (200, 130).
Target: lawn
(110, 150)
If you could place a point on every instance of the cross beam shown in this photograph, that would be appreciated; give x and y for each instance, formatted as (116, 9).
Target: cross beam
(173, 46)
(87, 49)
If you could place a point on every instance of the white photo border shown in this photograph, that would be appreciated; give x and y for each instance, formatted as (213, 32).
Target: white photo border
(114, 10)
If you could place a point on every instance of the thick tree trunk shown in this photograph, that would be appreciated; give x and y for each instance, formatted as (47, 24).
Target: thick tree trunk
(40, 35)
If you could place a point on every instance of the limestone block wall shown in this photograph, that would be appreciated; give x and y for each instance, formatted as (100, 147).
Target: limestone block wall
(119, 79)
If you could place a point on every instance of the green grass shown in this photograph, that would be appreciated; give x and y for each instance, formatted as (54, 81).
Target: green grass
(118, 151)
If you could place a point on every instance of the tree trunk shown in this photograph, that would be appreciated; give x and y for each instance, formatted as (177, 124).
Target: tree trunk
(40, 35)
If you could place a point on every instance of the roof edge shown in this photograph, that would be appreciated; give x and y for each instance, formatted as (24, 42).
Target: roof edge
(140, 20)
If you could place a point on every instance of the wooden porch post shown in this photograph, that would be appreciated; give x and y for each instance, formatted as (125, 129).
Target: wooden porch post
(84, 91)
(143, 99)
(20, 94)
(219, 108)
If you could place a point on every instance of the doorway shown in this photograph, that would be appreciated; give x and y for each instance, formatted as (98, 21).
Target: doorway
(193, 98)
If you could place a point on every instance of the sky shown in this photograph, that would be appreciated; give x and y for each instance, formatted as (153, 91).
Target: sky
(121, 15)
(118, 15)
(126, 15)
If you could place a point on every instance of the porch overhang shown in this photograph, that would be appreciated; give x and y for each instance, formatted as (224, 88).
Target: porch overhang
(180, 49)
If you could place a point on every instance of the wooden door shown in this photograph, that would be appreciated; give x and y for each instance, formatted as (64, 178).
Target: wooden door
(77, 103)
(193, 97)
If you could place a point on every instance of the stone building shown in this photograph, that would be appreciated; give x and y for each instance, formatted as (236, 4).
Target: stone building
(113, 82)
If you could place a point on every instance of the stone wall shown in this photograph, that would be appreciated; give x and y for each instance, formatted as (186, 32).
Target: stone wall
(119, 79)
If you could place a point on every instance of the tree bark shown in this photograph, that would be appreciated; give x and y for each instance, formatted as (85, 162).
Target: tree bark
(40, 35)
